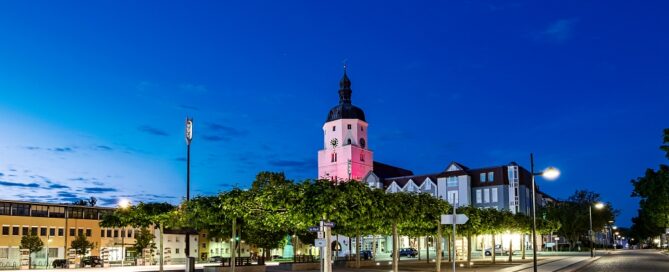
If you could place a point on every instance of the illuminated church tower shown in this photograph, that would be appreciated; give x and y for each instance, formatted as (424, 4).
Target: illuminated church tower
(345, 148)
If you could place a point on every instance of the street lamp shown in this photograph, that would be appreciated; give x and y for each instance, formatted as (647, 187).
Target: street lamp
(123, 204)
(550, 173)
(48, 241)
(189, 139)
(598, 206)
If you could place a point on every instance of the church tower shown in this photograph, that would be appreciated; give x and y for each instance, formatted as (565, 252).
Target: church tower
(345, 148)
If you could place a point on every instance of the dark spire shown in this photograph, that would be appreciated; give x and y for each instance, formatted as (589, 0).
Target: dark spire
(345, 89)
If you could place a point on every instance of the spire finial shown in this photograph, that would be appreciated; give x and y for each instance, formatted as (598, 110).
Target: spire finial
(345, 88)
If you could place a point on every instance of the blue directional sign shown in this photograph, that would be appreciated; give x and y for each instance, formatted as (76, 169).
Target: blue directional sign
(314, 229)
(329, 224)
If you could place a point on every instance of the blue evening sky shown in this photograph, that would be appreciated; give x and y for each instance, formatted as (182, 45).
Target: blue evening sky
(93, 94)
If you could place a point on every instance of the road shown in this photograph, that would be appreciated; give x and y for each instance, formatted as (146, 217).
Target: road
(630, 260)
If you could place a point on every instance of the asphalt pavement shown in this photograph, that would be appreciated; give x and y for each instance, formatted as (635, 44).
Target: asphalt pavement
(630, 260)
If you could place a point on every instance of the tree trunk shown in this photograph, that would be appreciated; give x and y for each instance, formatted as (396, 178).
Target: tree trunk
(523, 246)
(374, 247)
(469, 250)
(396, 253)
(162, 251)
(419, 248)
(450, 247)
(492, 249)
(233, 245)
(510, 250)
(427, 249)
(438, 262)
(357, 250)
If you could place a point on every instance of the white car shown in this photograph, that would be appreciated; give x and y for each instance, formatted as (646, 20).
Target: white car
(498, 251)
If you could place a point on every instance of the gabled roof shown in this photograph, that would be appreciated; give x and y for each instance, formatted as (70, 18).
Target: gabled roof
(402, 181)
(455, 166)
(384, 171)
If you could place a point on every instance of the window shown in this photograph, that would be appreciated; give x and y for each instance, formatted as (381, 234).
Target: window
(53, 252)
(76, 213)
(494, 194)
(452, 182)
(102, 233)
(362, 156)
(453, 197)
(130, 233)
(4, 253)
(478, 196)
(88, 233)
(176, 239)
(33, 230)
(349, 126)
(5, 230)
(334, 128)
(5, 208)
(57, 212)
(21, 209)
(176, 250)
(123, 233)
(348, 141)
(362, 129)
(486, 195)
(491, 176)
(204, 245)
(109, 233)
(80, 232)
(61, 232)
(115, 233)
(204, 235)
(15, 231)
(24, 231)
(40, 211)
(52, 232)
(42, 231)
(482, 177)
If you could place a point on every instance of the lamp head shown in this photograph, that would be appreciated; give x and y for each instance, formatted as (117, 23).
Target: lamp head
(551, 173)
(189, 130)
(599, 205)
(124, 203)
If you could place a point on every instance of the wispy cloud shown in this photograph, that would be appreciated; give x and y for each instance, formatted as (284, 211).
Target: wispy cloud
(215, 138)
(104, 147)
(152, 130)
(16, 184)
(558, 31)
(193, 88)
(62, 149)
(294, 165)
(227, 130)
(97, 190)
(58, 186)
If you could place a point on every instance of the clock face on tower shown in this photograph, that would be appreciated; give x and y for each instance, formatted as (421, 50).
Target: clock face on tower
(334, 142)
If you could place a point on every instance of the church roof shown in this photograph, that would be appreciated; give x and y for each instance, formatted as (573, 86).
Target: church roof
(345, 110)
(384, 171)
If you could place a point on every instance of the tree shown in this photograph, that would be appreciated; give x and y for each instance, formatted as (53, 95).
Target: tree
(143, 240)
(33, 244)
(81, 245)
(665, 146)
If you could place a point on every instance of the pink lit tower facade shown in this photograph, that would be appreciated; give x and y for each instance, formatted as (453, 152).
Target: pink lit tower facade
(345, 154)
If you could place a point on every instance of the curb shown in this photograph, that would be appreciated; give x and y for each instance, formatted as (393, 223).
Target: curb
(576, 266)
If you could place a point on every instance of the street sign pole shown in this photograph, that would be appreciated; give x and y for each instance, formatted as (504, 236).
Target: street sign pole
(454, 223)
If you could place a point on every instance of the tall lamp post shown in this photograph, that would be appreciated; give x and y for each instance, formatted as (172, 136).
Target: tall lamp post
(549, 173)
(189, 139)
(597, 205)
(124, 204)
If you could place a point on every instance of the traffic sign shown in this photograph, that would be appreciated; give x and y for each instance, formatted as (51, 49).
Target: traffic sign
(314, 229)
(459, 219)
(329, 224)
(321, 235)
(319, 242)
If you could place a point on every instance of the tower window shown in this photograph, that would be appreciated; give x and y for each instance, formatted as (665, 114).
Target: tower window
(333, 157)
(348, 141)
(362, 129)
(349, 126)
(334, 128)
(362, 156)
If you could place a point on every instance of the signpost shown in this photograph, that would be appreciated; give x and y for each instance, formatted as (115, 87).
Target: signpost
(323, 242)
(455, 219)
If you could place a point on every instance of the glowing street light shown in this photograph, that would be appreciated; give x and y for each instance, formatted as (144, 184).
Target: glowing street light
(550, 173)
(124, 204)
(598, 206)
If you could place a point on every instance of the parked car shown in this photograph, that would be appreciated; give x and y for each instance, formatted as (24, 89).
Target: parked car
(408, 252)
(93, 261)
(498, 251)
(365, 254)
(59, 263)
